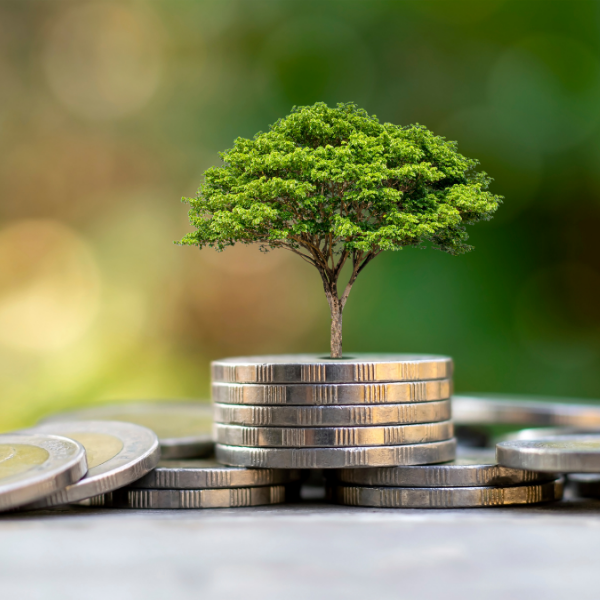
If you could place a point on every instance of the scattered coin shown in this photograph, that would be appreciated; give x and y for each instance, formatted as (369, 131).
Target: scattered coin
(324, 437)
(194, 474)
(217, 498)
(33, 466)
(183, 428)
(494, 409)
(117, 454)
(312, 368)
(336, 458)
(294, 416)
(471, 468)
(298, 394)
(559, 454)
(538, 433)
(585, 485)
(449, 497)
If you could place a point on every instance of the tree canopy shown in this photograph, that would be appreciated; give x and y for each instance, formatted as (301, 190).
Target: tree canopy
(337, 186)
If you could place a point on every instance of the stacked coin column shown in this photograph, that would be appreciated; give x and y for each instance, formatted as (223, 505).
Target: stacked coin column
(307, 411)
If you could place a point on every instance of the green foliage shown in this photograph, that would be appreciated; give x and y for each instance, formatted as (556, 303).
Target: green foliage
(324, 180)
(335, 185)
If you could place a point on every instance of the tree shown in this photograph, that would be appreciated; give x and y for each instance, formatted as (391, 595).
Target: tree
(335, 186)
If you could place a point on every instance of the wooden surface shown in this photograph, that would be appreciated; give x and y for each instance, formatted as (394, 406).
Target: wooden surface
(305, 551)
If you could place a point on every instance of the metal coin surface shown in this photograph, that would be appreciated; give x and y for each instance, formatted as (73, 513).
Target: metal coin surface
(331, 394)
(183, 428)
(336, 458)
(33, 466)
(194, 474)
(336, 437)
(314, 368)
(452, 497)
(117, 454)
(538, 433)
(560, 454)
(471, 468)
(585, 485)
(296, 416)
(494, 409)
(218, 498)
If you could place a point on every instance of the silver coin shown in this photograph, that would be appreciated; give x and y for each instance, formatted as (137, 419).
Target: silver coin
(585, 485)
(333, 416)
(560, 454)
(495, 409)
(450, 497)
(336, 458)
(298, 394)
(313, 368)
(195, 474)
(331, 437)
(539, 433)
(183, 428)
(33, 466)
(117, 454)
(174, 499)
(471, 468)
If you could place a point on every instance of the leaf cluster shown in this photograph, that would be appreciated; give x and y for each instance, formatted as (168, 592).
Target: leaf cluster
(335, 183)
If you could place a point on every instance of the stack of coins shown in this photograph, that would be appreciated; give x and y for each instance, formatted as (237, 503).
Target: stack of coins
(474, 479)
(204, 484)
(312, 412)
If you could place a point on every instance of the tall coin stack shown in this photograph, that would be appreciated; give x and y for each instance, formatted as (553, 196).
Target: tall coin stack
(313, 412)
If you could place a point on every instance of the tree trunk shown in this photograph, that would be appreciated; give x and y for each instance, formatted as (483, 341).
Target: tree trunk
(336, 328)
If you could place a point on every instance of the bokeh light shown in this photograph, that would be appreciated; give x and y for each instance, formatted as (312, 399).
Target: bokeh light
(103, 60)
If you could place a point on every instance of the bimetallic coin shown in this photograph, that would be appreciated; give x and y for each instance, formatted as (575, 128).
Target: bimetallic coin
(183, 428)
(585, 485)
(495, 409)
(313, 368)
(331, 394)
(219, 498)
(117, 454)
(560, 454)
(336, 458)
(295, 416)
(325, 437)
(200, 474)
(471, 468)
(450, 497)
(33, 466)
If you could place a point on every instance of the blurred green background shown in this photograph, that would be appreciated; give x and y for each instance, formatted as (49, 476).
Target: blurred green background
(111, 111)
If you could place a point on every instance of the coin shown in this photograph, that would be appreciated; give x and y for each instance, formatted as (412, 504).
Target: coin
(585, 485)
(450, 497)
(332, 394)
(33, 466)
(336, 458)
(471, 468)
(117, 454)
(538, 433)
(183, 428)
(294, 416)
(325, 437)
(219, 498)
(313, 368)
(494, 409)
(559, 454)
(194, 474)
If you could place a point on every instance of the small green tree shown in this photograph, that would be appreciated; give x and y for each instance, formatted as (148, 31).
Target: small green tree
(336, 186)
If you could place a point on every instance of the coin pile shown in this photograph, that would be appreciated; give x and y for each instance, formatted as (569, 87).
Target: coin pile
(204, 483)
(473, 479)
(184, 431)
(311, 412)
